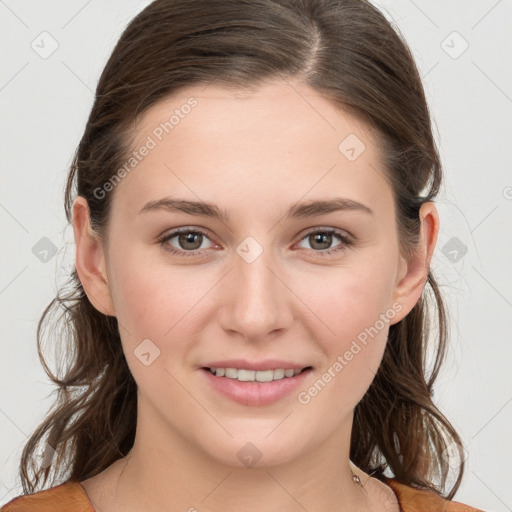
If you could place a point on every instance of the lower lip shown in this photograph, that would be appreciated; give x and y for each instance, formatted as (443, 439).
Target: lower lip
(255, 393)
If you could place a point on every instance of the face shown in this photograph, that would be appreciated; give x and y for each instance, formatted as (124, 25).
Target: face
(299, 269)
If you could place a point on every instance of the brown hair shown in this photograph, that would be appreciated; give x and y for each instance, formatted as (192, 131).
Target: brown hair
(343, 49)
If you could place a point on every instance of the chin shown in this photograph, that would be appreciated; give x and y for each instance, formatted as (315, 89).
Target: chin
(252, 448)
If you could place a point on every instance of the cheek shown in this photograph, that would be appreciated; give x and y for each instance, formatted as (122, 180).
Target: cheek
(153, 299)
(164, 305)
(354, 301)
(355, 307)
(158, 310)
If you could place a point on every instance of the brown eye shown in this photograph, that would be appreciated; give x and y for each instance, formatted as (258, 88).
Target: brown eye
(321, 241)
(188, 242)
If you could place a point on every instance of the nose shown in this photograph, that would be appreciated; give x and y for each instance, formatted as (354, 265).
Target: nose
(256, 301)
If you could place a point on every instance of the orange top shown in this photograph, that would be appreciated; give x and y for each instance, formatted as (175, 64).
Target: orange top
(71, 497)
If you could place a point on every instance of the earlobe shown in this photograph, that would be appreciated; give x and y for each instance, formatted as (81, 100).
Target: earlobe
(90, 259)
(415, 270)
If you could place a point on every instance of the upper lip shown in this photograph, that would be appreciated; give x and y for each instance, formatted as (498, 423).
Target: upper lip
(244, 364)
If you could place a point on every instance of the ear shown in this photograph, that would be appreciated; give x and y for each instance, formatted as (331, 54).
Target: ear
(90, 259)
(413, 272)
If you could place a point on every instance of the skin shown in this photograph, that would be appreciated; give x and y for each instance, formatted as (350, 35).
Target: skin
(253, 154)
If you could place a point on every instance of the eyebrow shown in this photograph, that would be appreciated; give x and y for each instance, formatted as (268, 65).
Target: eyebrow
(297, 210)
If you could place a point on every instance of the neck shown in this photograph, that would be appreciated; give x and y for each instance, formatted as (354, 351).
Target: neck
(178, 476)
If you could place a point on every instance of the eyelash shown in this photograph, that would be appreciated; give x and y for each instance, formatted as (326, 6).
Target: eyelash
(346, 241)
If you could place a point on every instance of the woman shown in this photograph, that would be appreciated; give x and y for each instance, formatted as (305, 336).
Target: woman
(254, 224)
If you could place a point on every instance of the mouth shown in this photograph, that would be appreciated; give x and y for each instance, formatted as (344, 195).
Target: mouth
(244, 375)
(253, 387)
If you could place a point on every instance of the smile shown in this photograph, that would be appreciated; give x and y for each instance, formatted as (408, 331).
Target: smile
(244, 375)
(255, 387)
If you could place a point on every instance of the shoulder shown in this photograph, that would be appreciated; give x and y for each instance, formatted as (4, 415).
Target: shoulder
(67, 497)
(418, 500)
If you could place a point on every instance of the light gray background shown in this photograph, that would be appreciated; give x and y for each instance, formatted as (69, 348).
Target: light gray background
(44, 105)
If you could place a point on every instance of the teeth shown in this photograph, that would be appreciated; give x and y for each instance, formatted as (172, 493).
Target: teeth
(231, 373)
(253, 375)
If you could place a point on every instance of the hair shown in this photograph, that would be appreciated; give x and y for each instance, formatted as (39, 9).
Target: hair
(350, 53)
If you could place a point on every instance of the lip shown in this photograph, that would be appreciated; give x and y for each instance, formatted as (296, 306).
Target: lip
(255, 393)
(244, 364)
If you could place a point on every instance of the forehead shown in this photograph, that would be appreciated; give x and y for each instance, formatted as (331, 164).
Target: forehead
(281, 141)
(283, 107)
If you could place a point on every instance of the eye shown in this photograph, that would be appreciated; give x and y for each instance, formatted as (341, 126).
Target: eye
(321, 240)
(189, 241)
